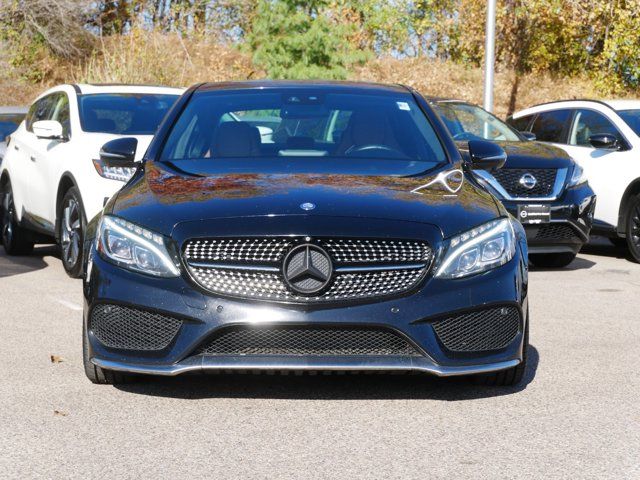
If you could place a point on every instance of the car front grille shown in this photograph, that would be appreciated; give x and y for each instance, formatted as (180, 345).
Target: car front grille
(479, 331)
(303, 340)
(128, 328)
(553, 231)
(253, 267)
(509, 179)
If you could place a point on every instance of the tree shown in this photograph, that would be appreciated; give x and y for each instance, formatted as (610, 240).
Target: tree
(301, 39)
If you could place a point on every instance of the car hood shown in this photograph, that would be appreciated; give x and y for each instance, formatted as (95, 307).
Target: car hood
(526, 154)
(160, 197)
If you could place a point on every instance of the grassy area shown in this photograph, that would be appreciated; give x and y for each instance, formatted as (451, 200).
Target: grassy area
(154, 58)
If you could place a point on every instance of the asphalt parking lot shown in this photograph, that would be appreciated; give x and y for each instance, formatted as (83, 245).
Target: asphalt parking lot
(576, 414)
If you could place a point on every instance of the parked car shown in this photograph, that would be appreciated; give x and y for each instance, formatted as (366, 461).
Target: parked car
(604, 138)
(354, 243)
(10, 118)
(539, 184)
(52, 179)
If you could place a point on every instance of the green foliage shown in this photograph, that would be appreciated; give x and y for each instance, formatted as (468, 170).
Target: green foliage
(620, 60)
(299, 39)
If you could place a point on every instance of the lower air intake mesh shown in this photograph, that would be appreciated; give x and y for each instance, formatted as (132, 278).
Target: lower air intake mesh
(131, 328)
(479, 331)
(553, 231)
(332, 341)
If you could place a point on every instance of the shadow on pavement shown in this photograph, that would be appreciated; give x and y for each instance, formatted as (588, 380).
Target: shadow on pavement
(578, 264)
(332, 387)
(602, 247)
(10, 266)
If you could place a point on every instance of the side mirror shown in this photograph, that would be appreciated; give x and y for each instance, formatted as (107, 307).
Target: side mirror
(48, 129)
(120, 152)
(486, 155)
(529, 136)
(604, 141)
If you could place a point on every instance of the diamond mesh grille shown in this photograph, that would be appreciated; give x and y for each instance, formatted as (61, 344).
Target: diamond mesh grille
(237, 249)
(555, 232)
(221, 266)
(368, 251)
(489, 329)
(333, 341)
(509, 178)
(270, 286)
(132, 329)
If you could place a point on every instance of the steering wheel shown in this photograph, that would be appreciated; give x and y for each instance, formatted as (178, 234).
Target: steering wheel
(465, 136)
(373, 146)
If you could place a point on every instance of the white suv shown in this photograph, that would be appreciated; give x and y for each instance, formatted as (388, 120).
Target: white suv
(604, 139)
(52, 179)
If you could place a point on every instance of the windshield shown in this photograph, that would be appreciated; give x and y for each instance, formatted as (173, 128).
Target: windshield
(298, 128)
(469, 122)
(631, 118)
(9, 122)
(123, 114)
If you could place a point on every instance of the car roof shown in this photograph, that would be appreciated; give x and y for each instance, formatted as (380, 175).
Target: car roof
(577, 103)
(324, 84)
(14, 110)
(623, 104)
(93, 88)
(446, 100)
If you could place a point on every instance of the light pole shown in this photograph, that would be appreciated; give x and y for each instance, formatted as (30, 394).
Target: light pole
(489, 55)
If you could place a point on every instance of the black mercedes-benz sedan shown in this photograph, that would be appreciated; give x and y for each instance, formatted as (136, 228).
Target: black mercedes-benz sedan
(296, 226)
(540, 184)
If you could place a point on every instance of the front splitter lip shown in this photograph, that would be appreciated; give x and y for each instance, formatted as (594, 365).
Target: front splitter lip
(208, 363)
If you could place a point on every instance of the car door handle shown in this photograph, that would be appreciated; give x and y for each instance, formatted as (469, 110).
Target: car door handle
(16, 147)
(32, 158)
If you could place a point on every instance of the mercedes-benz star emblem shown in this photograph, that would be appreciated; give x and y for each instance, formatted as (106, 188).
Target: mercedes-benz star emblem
(307, 269)
(307, 206)
(528, 181)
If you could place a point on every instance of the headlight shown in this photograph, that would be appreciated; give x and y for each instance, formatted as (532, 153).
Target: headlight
(577, 176)
(122, 174)
(135, 248)
(478, 250)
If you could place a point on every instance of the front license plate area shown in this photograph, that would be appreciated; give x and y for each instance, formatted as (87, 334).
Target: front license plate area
(534, 214)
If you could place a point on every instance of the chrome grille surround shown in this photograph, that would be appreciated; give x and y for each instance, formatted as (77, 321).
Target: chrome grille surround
(363, 268)
(505, 183)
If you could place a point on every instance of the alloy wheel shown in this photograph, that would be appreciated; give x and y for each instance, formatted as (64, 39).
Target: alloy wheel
(7, 223)
(635, 225)
(71, 233)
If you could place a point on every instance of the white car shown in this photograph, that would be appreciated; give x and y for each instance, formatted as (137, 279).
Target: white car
(52, 179)
(604, 139)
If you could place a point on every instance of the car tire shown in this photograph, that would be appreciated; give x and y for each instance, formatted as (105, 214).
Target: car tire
(633, 228)
(511, 376)
(99, 375)
(72, 224)
(551, 260)
(15, 239)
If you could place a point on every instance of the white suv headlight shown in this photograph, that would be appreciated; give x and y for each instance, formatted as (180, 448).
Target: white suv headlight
(478, 250)
(135, 248)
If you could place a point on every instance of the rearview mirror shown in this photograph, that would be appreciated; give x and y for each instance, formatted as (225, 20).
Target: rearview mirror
(486, 155)
(120, 152)
(604, 141)
(529, 136)
(48, 130)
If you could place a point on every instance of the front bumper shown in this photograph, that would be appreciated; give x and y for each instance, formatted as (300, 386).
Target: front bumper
(570, 225)
(411, 317)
